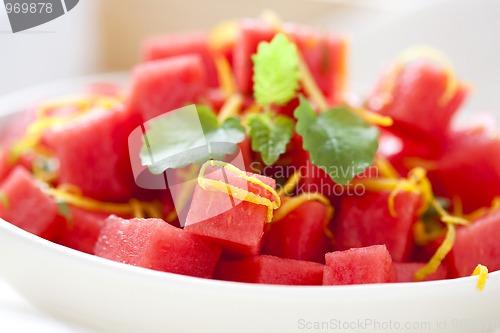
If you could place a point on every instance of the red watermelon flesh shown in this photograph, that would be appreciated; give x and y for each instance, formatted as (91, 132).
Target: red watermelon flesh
(270, 270)
(245, 148)
(5, 165)
(300, 235)
(476, 244)
(28, 207)
(252, 32)
(82, 229)
(93, 153)
(326, 57)
(313, 179)
(237, 226)
(365, 220)
(358, 266)
(155, 244)
(415, 103)
(164, 85)
(405, 152)
(469, 168)
(215, 99)
(324, 54)
(168, 46)
(405, 272)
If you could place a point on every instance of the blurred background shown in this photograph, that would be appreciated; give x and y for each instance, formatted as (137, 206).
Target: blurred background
(102, 36)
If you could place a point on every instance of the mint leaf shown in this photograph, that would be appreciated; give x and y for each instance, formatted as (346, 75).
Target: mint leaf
(4, 200)
(270, 135)
(338, 141)
(275, 71)
(186, 136)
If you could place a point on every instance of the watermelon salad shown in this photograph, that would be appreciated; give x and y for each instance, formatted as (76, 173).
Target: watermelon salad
(293, 182)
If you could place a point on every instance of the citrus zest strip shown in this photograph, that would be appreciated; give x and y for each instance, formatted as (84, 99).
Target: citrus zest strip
(482, 273)
(372, 117)
(290, 184)
(422, 237)
(225, 74)
(43, 122)
(447, 243)
(133, 207)
(495, 205)
(231, 107)
(291, 203)
(440, 254)
(386, 168)
(236, 192)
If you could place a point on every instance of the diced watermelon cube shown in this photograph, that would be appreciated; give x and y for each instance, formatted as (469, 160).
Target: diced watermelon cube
(27, 206)
(5, 167)
(365, 220)
(81, 229)
(476, 244)
(167, 46)
(270, 270)
(358, 266)
(245, 148)
(164, 85)
(469, 168)
(252, 32)
(93, 153)
(416, 98)
(300, 235)
(405, 272)
(325, 55)
(405, 152)
(237, 226)
(155, 244)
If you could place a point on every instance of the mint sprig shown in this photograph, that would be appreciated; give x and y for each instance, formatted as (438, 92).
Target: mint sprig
(270, 135)
(189, 136)
(338, 141)
(275, 71)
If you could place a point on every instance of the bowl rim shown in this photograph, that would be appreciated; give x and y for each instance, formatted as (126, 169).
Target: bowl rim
(20, 97)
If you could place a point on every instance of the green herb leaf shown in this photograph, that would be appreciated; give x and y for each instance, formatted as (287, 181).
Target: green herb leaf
(339, 142)
(64, 211)
(4, 200)
(275, 71)
(186, 136)
(270, 135)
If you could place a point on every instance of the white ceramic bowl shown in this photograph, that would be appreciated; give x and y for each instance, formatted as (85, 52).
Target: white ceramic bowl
(114, 297)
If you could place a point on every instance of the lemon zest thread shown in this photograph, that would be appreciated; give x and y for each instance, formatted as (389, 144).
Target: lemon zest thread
(290, 184)
(447, 243)
(133, 207)
(386, 168)
(238, 193)
(231, 107)
(225, 75)
(482, 273)
(372, 117)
